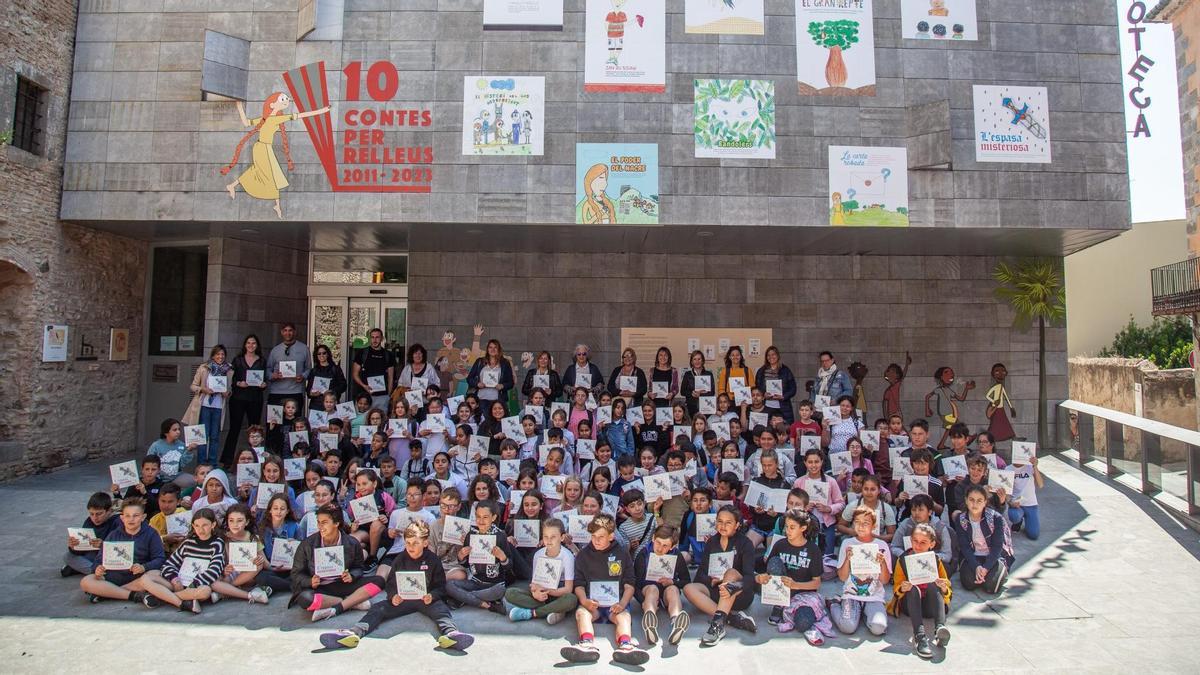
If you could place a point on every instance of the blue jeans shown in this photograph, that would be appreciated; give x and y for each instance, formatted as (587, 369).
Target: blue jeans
(828, 537)
(211, 419)
(1027, 515)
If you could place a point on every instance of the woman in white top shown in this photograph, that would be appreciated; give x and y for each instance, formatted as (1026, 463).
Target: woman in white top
(835, 433)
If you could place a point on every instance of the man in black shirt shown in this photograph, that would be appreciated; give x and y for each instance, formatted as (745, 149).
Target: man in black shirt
(373, 361)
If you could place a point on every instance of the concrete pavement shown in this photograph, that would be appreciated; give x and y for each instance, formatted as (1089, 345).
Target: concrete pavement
(1113, 585)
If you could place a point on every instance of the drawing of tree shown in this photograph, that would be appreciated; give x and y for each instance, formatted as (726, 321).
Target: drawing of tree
(835, 36)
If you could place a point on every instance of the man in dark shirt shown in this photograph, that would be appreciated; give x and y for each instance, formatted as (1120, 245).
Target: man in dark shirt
(373, 361)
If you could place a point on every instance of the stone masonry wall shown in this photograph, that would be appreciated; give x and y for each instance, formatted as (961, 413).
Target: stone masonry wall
(871, 309)
(253, 287)
(57, 413)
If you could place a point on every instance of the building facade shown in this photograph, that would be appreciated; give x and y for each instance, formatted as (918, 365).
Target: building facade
(392, 215)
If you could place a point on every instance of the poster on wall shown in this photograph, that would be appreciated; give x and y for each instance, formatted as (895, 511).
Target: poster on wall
(868, 186)
(724, 17)
(835, 47)
(939, 19)
(625, 46)
(616, 183)
(735, 118)
(1012, 124)
(503, 115)
(54, 343)
(118, 344)
(523, 14)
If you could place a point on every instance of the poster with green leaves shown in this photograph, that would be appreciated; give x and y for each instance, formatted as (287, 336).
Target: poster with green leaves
(835, 48)
(735, 118)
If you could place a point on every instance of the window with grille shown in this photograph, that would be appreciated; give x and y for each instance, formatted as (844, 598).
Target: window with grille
(29, 117)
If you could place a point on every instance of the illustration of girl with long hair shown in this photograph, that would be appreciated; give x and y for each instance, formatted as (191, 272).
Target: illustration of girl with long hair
(597, 207)
(264, 179)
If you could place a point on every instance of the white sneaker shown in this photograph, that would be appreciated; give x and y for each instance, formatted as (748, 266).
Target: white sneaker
(362, 606)
(257, 595)
(554, 617)
(322, 614)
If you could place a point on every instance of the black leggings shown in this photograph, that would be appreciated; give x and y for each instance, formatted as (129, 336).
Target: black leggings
(272, 579)
(522, 567)
(924, 605)
(252, 411)
(992, 583)
(335, 589)
(741, 601)
(380, 612)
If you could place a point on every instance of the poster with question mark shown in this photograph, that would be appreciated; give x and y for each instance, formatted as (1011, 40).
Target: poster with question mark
(868, 186)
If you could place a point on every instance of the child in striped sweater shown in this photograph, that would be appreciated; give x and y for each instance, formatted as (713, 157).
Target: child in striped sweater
(189, 571)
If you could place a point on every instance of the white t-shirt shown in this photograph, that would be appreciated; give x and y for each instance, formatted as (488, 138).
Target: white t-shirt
(400, 519)
(1024, 487)
(863, 589)
(885, 514)
(568, 561)
(488, 393)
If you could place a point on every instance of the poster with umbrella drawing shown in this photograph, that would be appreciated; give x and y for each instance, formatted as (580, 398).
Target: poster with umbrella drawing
(868, 186)
(735, 118)
(1012, 124)
(616, 183)
(724, 17)
(835, 48)
(503, 116)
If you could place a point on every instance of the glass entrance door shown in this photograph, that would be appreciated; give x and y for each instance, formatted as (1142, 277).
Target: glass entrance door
(344, 325)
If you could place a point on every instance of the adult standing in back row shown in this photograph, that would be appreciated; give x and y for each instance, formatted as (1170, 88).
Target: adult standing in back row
(288, 365)
(374, 369)
(831, 381)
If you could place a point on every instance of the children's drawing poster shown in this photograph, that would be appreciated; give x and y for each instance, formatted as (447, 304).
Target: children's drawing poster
(939, 19)
(523, 14)
(503, 115)
(616, 183)
(835, 47)
(1012, 124)
(735, 118)
(868, 186)
(625, 46)
(724, 17)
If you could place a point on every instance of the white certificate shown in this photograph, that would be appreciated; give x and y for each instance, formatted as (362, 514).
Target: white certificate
(411, 585)
(489, 377)
(737, 383)
(741, 396)
(541, 381)
(922, 567)
(612, 504)
(552, 486)
(510, 469)
(117, 555)
(514, 498)
(703, 384)
(85, 535)
(895, 455)
(377, 384)
(265, 492)
(415, 399)
(328, 442)
(916, 485)
(241, 555)
(863, 559)
(707, 405)
(317, 419)
(774, 388)
(283, 552)
(511, 426)
(329, 561)
(585, 448)
(455, 530)
(477, 448)
(537, 412)
(528, 533)
(809, 442)
(346, 411)
(364, 509)
(125, 474)
(547, 573)
(822, 402)
(274, 414)
(818, 493)
(635, 485)
(583, 380)
(765, 498)
(603, 415)
(775, 594)
(660, 567)
(398, 428)
(435, 423)
(658, 486)
(287, 368)
(627, 383)
(720, 563)
(660, 389)
(678, 482)
(664, 415)
(249, 473)
(832, 413)
(870, 440)
(320, 385)
(991, 460)
(255, 378)
(735, 466)
(196, 434)
(179, 523)
(366, 431)
(635, 416)
(721, 429)
(419, 383)
(563, 406)
(758, 419)
(706, 525)
(481, 549)
(293, 468)
(841, 462)
(577, 527)
(218, 384)
(605, 593)
(1001, 479)
(189, 569)
(1022, 452)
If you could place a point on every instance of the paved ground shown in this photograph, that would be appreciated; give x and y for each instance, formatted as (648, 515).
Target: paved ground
(1112, 586)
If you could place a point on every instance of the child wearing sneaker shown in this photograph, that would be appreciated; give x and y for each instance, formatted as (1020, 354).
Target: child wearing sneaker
(232, 583)
(604, 585)
(662, 590)
(922, 601)
(416, 557)
(537, 601)
(984, 543)
(329, 596)
(101, 520)
(862, 596)
(203, 548)
(148, 556)
(724, 591)
(484, 585)
(797, 558)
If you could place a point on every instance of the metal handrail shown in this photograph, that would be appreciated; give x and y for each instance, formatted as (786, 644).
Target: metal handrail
(1176, 287)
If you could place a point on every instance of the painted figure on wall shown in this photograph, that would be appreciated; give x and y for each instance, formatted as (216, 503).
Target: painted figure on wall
(597, 207)
(837, 214)
(946, 400)
(858, 372)
(453, 363)
(616, 31)
(264, 178)
(999, 425)
(894, 375)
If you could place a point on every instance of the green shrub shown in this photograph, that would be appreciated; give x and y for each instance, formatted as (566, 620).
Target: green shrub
(1166, 342)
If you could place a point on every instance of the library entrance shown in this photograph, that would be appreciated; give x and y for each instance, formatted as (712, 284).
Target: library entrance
(350, 294)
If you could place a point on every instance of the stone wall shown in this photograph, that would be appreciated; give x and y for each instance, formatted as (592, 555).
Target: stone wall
(866, 308)
(57, 413)
(254, 285)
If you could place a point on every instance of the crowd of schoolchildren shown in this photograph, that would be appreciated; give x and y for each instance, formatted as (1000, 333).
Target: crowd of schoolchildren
(651, 489)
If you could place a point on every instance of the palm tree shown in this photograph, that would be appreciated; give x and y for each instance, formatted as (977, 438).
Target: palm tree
(1034, 288)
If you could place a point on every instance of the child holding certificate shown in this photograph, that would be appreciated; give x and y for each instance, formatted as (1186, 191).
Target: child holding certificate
(921, 589)
(84, 552)
(797, 558)
(984, 543)
(661, 573)
(864, 566)
(244, 560)
(551, 592)
(417, 584)
(275, 528)
(188, 573)
(126, 555)
(327, 572)
(725, 584)
(488, 558)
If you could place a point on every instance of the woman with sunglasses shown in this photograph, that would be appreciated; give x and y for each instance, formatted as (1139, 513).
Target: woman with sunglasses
(582, 365)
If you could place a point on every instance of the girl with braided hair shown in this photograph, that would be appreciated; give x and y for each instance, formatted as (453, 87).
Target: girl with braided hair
(264, 179)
